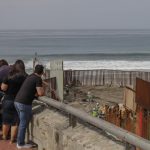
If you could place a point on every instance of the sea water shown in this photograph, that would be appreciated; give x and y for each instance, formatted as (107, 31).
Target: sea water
(79, 49)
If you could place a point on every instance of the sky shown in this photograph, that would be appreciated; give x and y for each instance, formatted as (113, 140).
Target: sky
(74, 14)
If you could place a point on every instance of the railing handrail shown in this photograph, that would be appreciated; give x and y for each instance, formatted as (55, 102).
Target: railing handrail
(99, 123)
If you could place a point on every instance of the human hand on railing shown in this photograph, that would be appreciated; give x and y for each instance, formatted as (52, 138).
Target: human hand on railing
(45, 83)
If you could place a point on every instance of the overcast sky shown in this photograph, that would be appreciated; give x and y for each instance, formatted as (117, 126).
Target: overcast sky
(74, 14)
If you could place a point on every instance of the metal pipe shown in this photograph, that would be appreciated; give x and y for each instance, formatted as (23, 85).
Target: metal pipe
(102, 124)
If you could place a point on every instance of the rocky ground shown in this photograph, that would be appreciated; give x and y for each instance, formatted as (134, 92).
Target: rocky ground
(86, 97)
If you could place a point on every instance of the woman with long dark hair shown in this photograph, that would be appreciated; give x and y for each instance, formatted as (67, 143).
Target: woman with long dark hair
(4, 70)
(11, 85)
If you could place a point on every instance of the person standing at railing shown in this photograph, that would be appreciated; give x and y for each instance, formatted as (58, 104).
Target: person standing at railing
(31, 87)
(11, 85)
(4, 70)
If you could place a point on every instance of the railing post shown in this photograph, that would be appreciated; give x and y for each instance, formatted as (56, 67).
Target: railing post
(72, 121)
(128, 146)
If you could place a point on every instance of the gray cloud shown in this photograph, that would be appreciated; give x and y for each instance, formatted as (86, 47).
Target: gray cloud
(74, 14)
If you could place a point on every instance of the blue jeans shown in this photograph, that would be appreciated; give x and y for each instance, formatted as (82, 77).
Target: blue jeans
(24, 113)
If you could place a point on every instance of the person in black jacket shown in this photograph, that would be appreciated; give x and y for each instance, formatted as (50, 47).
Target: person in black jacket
(11, 85)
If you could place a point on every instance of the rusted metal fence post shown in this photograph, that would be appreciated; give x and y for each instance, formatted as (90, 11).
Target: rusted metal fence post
(148, 116)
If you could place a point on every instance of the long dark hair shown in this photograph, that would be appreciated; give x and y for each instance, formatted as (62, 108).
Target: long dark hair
(17, 69)
(3, 62)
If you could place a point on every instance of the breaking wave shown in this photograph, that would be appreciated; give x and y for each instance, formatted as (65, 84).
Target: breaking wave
(98, 64)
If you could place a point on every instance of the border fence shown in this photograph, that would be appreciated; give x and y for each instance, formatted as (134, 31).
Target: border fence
(103, 77)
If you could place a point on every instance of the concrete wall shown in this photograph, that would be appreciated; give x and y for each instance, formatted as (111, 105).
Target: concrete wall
(51, 131)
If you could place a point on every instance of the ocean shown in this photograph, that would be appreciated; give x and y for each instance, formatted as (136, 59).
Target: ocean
(79, 49)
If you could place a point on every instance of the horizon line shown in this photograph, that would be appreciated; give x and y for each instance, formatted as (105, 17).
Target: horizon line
(79, 29)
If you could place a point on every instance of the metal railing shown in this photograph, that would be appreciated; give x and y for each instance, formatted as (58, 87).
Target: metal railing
(120, 133)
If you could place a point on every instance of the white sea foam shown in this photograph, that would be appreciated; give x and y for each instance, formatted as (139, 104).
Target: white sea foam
(29, 64)
(112, 64)
(101, 64)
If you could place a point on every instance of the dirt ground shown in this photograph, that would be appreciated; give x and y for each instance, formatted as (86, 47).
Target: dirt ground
(85, 97)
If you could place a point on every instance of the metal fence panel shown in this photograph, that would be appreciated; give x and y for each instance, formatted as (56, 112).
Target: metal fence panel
(104, 77)
(143, 93)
